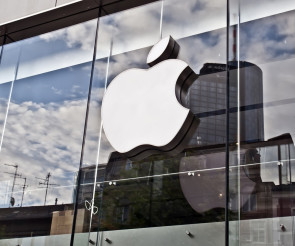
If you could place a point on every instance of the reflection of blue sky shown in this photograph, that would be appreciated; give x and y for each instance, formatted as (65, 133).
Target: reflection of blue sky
(208, 47)
(33, 48)
(48, 52)
(4, 91)
(74, 45)
(252, 10)
(4, 94)
(268, 39)
(270, 44)
(186, 18)
(64, 84)
(44, 130)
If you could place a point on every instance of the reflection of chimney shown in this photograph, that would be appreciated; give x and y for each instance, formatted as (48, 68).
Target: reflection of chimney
(234, 42)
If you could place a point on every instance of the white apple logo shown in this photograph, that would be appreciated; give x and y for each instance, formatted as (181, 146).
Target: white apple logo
(142, 109)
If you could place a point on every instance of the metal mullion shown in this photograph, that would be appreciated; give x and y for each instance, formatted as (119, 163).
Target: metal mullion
(227, 129)
(85, 130)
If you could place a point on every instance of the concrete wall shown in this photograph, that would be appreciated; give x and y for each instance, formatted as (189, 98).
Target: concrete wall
(10, 10)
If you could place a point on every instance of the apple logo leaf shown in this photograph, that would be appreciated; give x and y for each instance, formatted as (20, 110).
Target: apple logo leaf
(144, 111)
(166, 48)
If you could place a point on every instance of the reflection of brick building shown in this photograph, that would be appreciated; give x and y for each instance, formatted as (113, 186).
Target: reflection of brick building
(267, 184)
(87, 178)
(207, 101)
(62, 222)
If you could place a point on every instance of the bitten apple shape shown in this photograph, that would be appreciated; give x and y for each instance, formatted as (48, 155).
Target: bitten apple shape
(142, 111)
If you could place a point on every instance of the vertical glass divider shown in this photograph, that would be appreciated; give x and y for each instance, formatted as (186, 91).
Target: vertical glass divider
(98, 151)
(238, 123)
(2, 48)
(161, 20)
(227, 129)
(84, 131)
(9, 97)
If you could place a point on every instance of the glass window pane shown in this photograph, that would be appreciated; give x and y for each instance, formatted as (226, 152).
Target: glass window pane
(42, 139)
(156, 192)
(262, 55)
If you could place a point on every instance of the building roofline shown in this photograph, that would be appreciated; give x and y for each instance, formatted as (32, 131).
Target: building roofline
(64, 16)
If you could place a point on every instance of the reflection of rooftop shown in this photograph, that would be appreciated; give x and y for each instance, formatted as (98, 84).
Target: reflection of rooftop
(38, 212)
(29, 221)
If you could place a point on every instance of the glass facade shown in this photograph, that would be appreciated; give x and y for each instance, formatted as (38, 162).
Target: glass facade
(62, 182)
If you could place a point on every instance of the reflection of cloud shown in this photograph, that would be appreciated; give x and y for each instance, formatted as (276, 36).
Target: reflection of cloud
(208, 47)
(3, 106)
(128, 34)
(251, 10)
(48, 127)
(270, 44)
(73, 45)
(44, 138)
(186, 18)
(56, 91)
(93, 132)
(180, 19)
(268, 39)
(77, 35)
(47, 137)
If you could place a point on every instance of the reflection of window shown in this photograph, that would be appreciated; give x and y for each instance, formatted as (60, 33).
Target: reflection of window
(258, 231)
(202, 162)
(246, 232)
(89, 176)
(122, 214)
(249, 202)
(128, 165)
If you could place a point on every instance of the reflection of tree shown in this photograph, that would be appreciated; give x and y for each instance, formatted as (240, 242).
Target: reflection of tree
(2, 231)
(252, 156)
(154, 200)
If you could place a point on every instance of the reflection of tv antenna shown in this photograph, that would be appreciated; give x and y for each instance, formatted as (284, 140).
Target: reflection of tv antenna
(24, 186)
(15, 175)
(46, 183)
